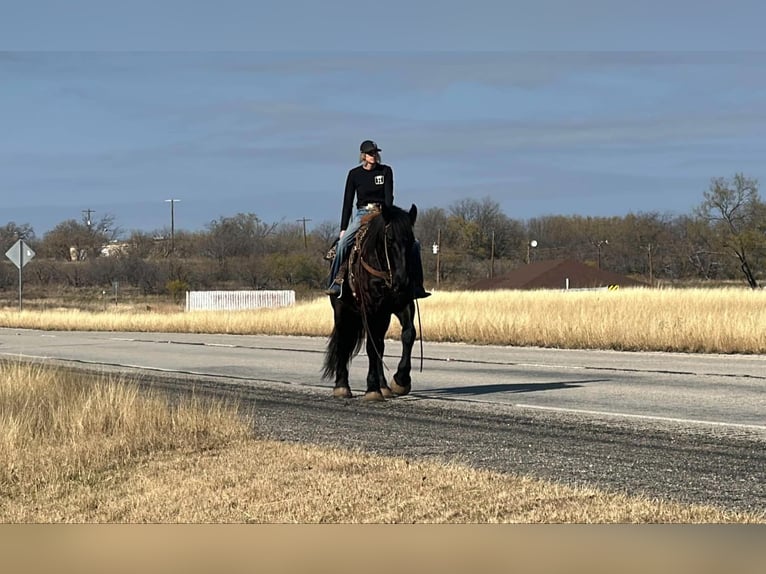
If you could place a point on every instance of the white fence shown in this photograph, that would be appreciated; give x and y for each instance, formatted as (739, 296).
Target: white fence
(235, 300)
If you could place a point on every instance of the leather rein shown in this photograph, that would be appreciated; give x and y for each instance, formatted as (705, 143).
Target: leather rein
(384, 274)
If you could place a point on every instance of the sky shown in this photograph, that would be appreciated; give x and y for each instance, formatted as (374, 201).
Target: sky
(593, 108)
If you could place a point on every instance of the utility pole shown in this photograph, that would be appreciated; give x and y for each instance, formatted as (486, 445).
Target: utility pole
(304, 220)
(598, 246)
(437, 251)
(492, 257)
(87, 219)
(651, 274)
(172, 224)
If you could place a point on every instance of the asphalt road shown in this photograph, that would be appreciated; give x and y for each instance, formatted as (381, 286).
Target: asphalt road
(674, 426)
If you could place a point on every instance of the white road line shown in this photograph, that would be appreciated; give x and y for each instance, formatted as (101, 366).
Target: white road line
(643, 417)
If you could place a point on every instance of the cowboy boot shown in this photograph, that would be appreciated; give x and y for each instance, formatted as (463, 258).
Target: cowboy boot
(334, 289)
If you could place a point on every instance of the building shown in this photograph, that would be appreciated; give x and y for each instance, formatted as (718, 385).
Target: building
(556, 274)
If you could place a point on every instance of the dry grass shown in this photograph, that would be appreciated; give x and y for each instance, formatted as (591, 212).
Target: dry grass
(75, 450)
(61, 432)
(687, 320)
(726, 320)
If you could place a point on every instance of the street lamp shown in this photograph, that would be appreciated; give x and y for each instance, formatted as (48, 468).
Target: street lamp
(172, 224)
(530, 244)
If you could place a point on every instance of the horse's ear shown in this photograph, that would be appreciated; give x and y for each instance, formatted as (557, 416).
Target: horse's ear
(413, 214)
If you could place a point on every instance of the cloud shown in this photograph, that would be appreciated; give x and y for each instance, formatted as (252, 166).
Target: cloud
(454, 125)
(399, 25)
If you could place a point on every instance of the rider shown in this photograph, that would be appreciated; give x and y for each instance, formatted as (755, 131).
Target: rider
(373, 185)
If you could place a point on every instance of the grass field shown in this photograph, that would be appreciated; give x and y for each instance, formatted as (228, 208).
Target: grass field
(727, 320)
(77, 448)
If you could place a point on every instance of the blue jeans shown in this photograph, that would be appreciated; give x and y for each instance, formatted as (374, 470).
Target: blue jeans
(345, 243)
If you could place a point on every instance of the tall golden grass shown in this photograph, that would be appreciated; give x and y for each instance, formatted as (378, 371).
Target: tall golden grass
(59, 429)
(725, 320)
(77, 448)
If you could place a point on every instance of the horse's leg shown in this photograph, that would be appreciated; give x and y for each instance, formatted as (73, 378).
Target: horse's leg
(385, 390)
(401, 383)
(377, 327)
(344, 341)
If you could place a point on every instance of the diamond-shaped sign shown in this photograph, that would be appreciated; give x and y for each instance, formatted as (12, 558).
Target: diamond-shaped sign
(20, 253)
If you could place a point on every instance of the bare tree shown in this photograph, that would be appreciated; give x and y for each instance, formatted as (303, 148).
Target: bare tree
(12, 232)
(737, 215)
(74, 240)
(239, 236)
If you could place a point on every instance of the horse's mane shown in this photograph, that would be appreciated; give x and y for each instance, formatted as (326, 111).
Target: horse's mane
(387, 240)
(398, 221)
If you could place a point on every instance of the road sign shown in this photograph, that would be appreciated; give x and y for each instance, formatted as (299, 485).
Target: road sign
(20, 253)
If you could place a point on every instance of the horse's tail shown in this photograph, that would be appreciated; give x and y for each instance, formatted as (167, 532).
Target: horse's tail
(345, 342)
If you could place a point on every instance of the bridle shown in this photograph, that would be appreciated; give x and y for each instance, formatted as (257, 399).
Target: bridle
(385, 274)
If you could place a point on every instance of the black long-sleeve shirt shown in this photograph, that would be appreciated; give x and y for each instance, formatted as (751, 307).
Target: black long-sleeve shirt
(374, 185)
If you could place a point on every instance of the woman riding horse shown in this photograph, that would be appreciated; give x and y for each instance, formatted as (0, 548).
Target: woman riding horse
(372, 183)
(380, 285)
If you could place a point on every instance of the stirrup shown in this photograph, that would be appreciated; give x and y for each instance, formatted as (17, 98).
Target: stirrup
(336, 287)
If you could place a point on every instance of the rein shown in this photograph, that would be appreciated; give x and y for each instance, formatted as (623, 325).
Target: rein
(386, 274)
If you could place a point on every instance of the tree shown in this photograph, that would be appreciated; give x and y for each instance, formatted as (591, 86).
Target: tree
(738, 218)
(12, 232)
(142, 244)
(238, 236)
(325, 234)
(482, 233)
(647, 234)
(73, 240)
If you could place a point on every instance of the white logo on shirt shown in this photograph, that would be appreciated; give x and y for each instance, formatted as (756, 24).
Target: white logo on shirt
(378, 180)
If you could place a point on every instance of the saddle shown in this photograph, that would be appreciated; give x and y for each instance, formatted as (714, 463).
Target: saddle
(345, 275)
(330, 255)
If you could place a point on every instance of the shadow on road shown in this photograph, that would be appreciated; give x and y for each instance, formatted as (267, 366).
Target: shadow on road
(511, 388)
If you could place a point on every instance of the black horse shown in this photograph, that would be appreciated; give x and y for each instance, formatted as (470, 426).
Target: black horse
(377, 285)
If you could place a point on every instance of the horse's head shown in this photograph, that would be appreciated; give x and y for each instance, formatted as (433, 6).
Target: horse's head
(386, 244)
(400, 238)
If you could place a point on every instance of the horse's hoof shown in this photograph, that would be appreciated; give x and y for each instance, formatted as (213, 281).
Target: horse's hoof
(373, 396)
(386, 392)
(342, 393)
(398, 389)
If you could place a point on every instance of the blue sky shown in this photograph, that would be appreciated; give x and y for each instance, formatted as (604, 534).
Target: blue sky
(591, 108)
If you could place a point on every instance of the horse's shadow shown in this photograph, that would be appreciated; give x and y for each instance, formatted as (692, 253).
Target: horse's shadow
(477, 390)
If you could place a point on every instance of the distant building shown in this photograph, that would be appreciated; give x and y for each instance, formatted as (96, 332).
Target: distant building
(113, 249)
(556, 274)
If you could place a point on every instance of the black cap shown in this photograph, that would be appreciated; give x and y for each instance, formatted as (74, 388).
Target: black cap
(369, 146)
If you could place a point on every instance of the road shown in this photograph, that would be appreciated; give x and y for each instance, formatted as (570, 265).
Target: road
(679, 426)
